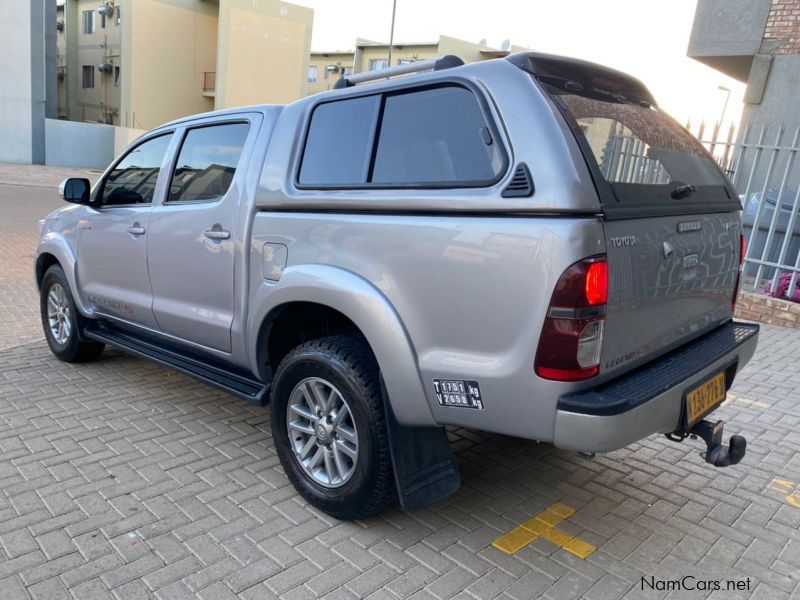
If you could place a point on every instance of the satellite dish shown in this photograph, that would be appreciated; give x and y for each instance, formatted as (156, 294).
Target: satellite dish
(482, 43)
(505, 45)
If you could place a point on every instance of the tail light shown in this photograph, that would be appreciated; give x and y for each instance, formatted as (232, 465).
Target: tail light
(742, 250)
(572, 334)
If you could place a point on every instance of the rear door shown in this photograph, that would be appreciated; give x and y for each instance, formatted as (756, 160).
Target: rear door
(671, 221)
(191, 247)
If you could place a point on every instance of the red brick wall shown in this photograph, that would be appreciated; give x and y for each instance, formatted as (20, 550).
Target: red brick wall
(756, 307)
(782, 33)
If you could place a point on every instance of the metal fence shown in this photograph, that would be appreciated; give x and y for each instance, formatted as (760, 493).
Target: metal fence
(762, 166)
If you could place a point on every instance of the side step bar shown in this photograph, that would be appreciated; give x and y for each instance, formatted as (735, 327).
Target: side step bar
(247, 388)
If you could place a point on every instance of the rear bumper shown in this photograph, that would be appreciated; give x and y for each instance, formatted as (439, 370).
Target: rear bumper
(650, 399)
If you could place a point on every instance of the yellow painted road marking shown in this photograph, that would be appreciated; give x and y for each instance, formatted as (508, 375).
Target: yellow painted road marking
(788, 487)
(784, 486)
(550, 517)
(579, 548)
(544, 525)
(562, 510)
(514, 540)
(756, 403)
(536, 526)
(753, 402)
(558, 537)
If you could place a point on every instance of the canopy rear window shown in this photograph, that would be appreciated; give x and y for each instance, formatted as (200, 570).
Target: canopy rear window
(642, 160)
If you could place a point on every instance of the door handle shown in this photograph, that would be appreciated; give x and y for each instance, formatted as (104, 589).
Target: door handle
(217, 234)
(136, 229)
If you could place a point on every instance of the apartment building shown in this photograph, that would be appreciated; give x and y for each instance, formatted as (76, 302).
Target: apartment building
(88, 61)
(758, 43)
(139, 63)
(325, 68)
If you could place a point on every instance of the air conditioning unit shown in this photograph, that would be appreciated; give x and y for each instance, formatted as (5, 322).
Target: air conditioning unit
(106, 10)
(332, 68)
(105, 67)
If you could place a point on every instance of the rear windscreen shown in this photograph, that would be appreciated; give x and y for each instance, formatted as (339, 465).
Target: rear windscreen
(644, 157)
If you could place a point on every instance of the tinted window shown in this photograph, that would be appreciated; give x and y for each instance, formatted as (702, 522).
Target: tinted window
(339, 142)
(643, 154)
(207, 162)
(435, 136)
(133, 180)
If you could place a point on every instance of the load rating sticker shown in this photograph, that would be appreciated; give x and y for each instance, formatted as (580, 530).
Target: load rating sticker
(455, 392)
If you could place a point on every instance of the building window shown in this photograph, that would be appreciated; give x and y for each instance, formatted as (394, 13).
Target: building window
(116, 76)
(88, 76)
(103, 21)
(118, 13)
(88, 22)
(376, 64)
(312, 74)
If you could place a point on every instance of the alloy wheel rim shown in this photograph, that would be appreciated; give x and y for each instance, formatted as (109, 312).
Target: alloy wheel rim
(322, 432)
(58, 314)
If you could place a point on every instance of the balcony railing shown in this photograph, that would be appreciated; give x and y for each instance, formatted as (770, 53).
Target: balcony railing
(209, 81)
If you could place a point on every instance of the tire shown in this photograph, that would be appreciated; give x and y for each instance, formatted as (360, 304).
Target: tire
(56, 303)
(360, 486)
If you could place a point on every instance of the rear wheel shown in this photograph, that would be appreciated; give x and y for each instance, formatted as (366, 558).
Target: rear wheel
(329, 427)
(60, 320)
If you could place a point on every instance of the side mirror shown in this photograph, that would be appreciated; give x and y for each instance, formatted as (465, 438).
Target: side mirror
(76, 190)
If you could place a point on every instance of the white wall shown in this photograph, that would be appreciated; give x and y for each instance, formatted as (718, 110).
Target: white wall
(16, 101)
(86, 145)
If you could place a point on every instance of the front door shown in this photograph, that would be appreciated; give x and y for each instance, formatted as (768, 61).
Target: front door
(112, 236)
(191, 244)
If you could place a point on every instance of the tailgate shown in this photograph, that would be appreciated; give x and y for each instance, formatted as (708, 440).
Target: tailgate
(671, 279)
(671, 218)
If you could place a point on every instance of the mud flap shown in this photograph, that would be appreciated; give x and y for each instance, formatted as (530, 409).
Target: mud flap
(424, 468)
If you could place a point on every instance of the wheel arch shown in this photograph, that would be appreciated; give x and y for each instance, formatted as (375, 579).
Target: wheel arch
(352, 304)
(54, 249)
(44, 261)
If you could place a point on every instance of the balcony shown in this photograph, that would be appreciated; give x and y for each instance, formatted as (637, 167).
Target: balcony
(210, 84)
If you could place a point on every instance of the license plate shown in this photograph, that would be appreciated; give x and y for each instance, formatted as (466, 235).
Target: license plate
(704, 397)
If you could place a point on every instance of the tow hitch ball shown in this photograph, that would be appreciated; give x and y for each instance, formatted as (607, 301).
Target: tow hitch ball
(717, 453)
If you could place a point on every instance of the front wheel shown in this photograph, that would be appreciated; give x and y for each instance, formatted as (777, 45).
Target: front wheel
(329, 426)
(60, 320)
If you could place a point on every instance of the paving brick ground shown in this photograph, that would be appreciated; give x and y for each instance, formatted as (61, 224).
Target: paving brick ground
(123, 479)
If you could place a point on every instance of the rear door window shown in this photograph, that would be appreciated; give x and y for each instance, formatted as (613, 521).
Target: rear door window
(207, 162)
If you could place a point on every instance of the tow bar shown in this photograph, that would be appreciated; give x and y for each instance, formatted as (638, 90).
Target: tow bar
(717, 453)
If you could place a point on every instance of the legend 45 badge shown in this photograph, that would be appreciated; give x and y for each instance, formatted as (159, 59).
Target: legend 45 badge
(455, 392)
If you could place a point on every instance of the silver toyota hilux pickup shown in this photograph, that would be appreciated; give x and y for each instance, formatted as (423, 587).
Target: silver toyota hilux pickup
(526, 246)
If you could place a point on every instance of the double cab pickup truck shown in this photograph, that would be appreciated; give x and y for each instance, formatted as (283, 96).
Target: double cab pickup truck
(527, 246)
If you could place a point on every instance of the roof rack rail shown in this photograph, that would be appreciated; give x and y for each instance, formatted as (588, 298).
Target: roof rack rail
(448, 61)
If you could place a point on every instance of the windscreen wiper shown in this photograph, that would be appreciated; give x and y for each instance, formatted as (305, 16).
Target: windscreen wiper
(683, 191)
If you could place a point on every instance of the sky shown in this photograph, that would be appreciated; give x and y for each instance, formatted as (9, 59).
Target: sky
(646, 38)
